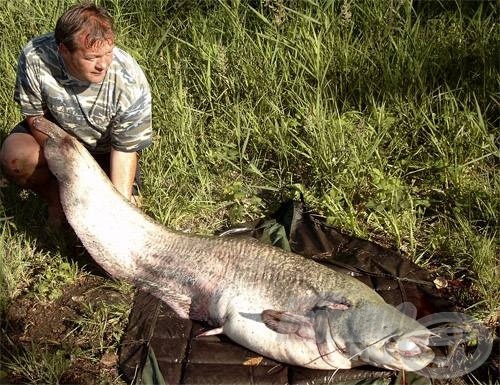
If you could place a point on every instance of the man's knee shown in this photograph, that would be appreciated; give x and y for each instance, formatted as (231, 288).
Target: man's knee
(20, 155)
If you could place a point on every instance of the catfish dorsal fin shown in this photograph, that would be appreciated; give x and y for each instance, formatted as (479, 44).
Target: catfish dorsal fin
(288, 323)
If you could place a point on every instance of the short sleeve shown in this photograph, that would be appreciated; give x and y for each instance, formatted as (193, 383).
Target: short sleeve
(27, 91)
(132, 126)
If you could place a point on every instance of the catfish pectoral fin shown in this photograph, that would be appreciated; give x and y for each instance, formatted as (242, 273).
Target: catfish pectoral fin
(288, 323)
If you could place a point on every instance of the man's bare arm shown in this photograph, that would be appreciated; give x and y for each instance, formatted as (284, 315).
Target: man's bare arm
(123, 166)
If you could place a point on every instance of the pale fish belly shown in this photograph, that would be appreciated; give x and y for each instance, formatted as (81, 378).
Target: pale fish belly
(243, 324)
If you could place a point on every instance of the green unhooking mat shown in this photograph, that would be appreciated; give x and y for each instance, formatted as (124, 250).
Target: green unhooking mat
(160, 348)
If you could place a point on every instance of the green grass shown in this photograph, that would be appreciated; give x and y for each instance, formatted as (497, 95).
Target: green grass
(384, 115)
(39, 366)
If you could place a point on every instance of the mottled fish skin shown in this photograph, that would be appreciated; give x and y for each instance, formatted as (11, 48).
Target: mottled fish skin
(274, 302)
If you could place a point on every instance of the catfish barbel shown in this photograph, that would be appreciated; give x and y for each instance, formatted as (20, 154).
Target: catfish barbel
(276, 303)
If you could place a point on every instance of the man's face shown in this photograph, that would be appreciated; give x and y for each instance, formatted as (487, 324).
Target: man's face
(88, 63)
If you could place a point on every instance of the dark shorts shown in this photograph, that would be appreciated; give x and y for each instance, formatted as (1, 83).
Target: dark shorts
(102, 159)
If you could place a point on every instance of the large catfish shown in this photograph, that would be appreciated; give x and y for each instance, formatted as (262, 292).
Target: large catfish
(273, 302)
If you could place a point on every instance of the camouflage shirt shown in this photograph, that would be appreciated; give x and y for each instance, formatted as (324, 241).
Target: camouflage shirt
(113, 114)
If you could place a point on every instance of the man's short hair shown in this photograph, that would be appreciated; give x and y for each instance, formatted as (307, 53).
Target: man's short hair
(94, 20)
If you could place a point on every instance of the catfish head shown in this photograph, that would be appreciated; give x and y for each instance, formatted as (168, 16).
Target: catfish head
(349, 335)
(378, 334)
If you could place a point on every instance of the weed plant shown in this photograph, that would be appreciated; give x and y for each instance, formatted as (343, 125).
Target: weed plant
(382, 113)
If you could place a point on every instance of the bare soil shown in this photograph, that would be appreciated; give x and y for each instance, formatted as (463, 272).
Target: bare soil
(56, 326)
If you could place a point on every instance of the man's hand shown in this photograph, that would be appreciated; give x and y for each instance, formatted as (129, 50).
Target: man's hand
(39, 136)
(123, 166)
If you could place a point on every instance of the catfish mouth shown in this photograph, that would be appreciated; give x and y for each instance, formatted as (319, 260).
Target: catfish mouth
(410, 352)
